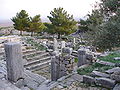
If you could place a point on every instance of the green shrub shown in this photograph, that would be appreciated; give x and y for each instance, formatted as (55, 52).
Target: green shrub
(76, 60)
(110, 58)
(94, 66)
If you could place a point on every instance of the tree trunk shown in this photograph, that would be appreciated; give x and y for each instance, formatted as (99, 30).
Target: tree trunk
(59, 36)
(21, 32)
(31, 33)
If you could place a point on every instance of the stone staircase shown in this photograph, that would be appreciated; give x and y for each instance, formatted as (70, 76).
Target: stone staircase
(33, 60)
(75, 54)
(38, 62)
(36, 59)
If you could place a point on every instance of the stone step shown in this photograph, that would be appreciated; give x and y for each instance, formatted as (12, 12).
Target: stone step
(33, 80)
(106, 63)
(106, 82)
(113, 70)
(6, 85)
(28, 51)
(38, 66)
(32, 53)
(99, 74)
(43, 54)
(37, 61)
(24, 51)
(75, 53)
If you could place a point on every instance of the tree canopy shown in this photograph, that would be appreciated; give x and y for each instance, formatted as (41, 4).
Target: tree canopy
(62, 22)
(35, 24)
(105, 25)
(21, 21)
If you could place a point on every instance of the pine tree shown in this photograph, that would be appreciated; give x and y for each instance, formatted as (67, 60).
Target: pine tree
(21, 21)
(35, 24)
(62, 22)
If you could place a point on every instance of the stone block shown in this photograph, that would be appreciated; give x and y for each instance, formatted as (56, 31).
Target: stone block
(117, 87)
(82, 52)
(99, 74)
(117, 58)
(81, 57)
(19, 83)
(77, 77)
(24, 88)
(14, 62)
(54, 69)
(105, 82)
(88, 79)
(67, 50)
(55, 46)
(62, 44)
(106, 63)
(116, 76)
(29, 82)
(110, 71)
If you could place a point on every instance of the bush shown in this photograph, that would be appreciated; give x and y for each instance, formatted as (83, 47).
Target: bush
(94, 66)
(110, 58)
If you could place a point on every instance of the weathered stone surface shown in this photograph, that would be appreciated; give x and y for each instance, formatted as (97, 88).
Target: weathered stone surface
(117, 64)
(19, 83)
(110, 71)
(5, 85)
(55, 53)
(117, 58)
(105, 82)
(25, 88)
(116, 76)
(62, 44)
(67, 50)
(77, 77)
(88, 79)
(2, 76)
(74, 40)
(89, 56)
(35, 77)
(47, 85)
(55, 46)
(14, 61)
(54, 69)
(29, 82)
(99, 74)
(43, 87)
(106, 63)
(32, 80)
(117, 87)
(81, 57)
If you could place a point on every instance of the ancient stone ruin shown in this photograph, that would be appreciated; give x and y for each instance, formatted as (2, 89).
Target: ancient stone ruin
(26, 69)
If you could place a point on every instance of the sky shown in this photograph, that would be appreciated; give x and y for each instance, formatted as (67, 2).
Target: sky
(77, 8)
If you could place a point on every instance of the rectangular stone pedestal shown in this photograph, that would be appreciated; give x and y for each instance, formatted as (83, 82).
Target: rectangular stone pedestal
(14, 61)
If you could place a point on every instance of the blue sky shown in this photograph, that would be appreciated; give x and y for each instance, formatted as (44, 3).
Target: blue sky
(78, 8)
